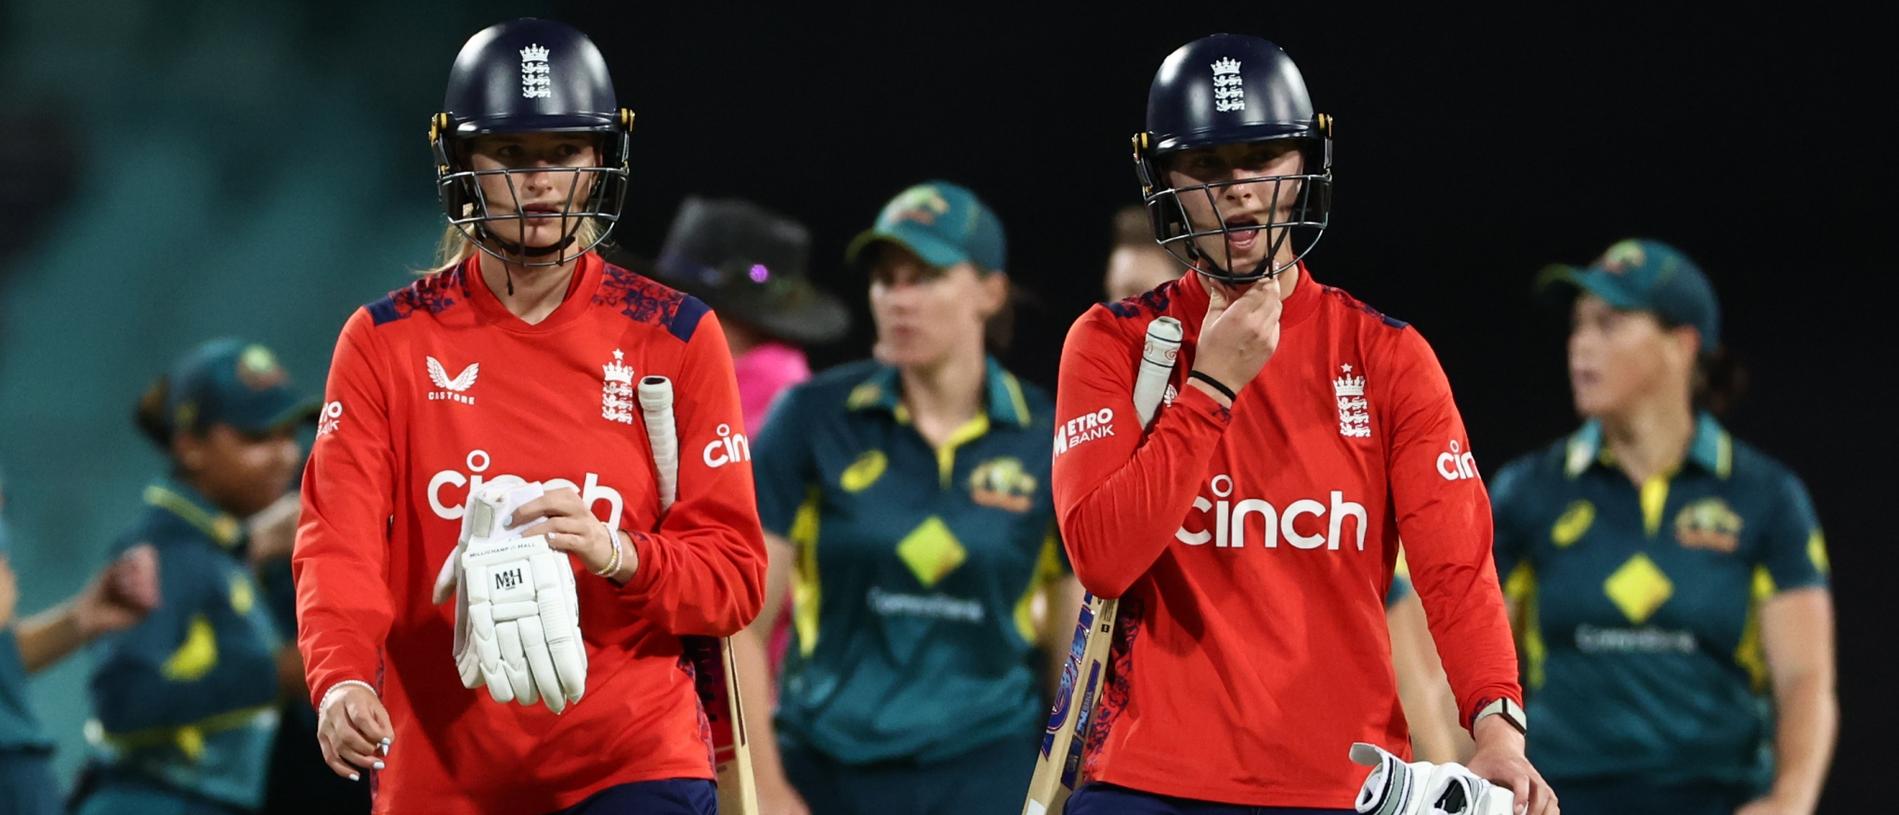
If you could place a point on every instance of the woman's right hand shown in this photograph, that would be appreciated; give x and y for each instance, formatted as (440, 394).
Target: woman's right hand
(351, 728)
(1239, 335)
(776, 797)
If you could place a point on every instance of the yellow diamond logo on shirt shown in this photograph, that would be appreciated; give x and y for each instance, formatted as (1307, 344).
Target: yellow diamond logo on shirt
(931, 551)
(1638, 588)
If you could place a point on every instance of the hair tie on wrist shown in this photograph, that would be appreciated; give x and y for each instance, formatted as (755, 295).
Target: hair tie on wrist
(1215, 384)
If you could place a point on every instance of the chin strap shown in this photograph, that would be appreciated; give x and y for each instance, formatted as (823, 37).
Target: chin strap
(521, 251)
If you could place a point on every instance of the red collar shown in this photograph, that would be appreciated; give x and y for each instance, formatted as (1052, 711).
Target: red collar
(580, 288)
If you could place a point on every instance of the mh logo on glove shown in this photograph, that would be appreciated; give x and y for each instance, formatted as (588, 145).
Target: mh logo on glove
(517, 615)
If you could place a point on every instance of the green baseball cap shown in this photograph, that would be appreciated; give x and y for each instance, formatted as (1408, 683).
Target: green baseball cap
(1647, 275)
(237, 383)
(943, 223)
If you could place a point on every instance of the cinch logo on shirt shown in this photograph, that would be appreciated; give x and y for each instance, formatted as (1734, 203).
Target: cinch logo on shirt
(727, 448)
(1456, 465)
(591, 490)
(1084, 428)
(1230, 519)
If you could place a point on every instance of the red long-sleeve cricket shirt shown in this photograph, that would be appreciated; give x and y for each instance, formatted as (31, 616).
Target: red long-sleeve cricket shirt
(437, 389)
(1252, 548)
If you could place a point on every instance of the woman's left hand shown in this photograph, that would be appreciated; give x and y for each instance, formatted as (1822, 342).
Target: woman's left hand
(571, 528)
(1499, 758)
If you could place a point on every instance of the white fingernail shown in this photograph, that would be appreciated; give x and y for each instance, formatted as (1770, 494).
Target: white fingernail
(355, 776)
(378, 765)
(508, 521)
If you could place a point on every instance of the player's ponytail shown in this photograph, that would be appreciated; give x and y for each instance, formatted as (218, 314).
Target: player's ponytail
(150, 413)
(1719, 381)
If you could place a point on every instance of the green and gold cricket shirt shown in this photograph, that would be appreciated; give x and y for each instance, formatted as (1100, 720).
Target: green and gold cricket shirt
(917, 566)
(1638, 605)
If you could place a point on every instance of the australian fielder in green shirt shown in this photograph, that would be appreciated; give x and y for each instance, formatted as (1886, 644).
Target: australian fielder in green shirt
(1670, 582)
(912, 495)
(186, 702)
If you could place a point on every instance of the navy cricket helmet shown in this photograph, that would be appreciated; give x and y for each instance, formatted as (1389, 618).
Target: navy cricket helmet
(530, 76)
(1233, 89)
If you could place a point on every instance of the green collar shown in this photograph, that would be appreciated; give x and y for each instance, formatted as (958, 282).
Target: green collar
(180, 500)
(883, 390)
(1712, 448)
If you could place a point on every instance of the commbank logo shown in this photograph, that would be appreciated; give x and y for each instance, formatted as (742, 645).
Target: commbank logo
(1230, 519)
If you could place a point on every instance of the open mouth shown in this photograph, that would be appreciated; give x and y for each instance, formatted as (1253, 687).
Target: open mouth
(540, 212)
(1242, 231)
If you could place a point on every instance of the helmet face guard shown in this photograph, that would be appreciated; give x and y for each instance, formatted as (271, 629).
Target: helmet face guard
(520, 77)
(1305, 198)
(466, 202)
(1228, 89)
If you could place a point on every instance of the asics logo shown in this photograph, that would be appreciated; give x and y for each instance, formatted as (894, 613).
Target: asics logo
(1231, 519)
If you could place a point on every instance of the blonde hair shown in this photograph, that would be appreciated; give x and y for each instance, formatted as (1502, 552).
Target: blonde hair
(456, 247)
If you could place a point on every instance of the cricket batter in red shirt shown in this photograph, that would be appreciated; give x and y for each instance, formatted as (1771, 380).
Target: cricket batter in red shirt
(1251, 532)
(516, 360)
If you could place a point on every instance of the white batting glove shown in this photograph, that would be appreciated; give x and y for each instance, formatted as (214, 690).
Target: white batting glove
(450, 572)
(1395, 787)
(517, 611)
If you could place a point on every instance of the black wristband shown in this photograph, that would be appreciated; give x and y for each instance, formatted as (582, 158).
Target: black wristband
(1216, 385)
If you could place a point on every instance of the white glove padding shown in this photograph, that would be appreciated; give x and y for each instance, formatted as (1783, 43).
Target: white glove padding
(451, 566)
(1422, 788)
(517, 613)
